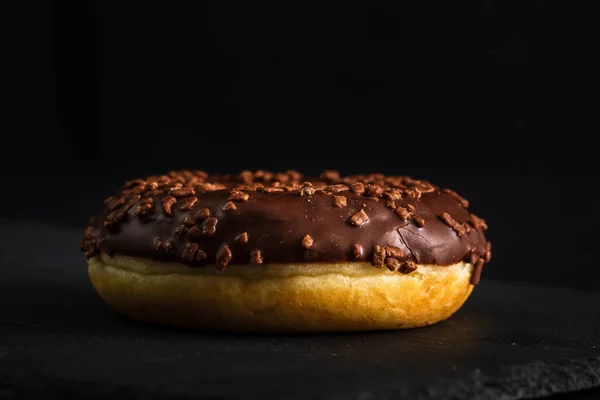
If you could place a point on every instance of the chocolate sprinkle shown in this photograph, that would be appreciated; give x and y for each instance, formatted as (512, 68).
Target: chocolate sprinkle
(357, 250)
(189, 254)
(223, 257)
(378, 257)
(202, 214)
(168, 202)
(243, 238)
(182, 192)
(392, 264)
(169, 247)
(407, 267)
(476, 275)
(419, 221)
(358, 187)
(359, 218)
(230, 205)
(339, 201)
(188, 203)
(209, 226)
(403, 213)
(478, 223)
(236, 195)
(256, 257)
(451, 222)
(463, 202)
(307, 242)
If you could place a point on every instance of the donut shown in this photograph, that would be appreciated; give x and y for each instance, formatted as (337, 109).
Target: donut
(278, 252)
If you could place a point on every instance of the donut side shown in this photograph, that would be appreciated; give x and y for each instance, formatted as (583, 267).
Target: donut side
(315, 297)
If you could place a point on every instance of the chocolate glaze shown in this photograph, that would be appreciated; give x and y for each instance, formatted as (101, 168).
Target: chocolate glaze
(277, 222)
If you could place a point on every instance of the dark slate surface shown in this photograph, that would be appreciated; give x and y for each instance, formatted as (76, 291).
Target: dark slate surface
(57, 338)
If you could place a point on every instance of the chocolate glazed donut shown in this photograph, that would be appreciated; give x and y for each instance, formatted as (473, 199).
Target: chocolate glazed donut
(278, 252)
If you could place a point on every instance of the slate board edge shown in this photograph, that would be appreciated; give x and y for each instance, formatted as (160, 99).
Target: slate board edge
(533, 380)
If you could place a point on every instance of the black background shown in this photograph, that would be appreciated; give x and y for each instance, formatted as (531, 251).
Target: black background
(495, 100)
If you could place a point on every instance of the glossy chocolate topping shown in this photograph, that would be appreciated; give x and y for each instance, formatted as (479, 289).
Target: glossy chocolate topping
(256, 218)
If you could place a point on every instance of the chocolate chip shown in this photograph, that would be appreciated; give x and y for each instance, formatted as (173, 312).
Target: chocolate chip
(339, 201)
(359, 218)
(451, 222)
(463, 202)
(243, 238)
(378, 256)
(357, 250)
(158, 244)
(230, 205)
(256, 257)
(223, 258)
(307, 242)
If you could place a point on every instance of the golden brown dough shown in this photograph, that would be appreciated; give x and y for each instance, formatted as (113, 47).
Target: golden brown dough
(281, 297)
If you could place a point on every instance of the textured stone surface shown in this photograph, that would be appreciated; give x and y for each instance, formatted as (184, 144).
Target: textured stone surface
(58, 338)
